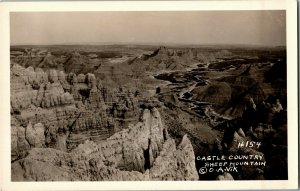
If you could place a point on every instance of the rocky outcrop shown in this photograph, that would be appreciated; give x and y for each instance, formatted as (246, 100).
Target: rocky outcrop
(77, 63)
(66, 108)
(62, 59)
(41, 58)
(142, 152)
(166, 169)
(35, 135)
(163, 59)
(49, 61)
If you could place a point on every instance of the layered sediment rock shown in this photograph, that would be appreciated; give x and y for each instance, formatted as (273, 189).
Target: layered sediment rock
(142, 152)
(217, 93)
(163, 59)
(230, 94)
(77, 63)
(49, 61)
(67, 108)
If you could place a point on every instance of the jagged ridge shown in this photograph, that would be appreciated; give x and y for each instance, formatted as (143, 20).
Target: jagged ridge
(142, 152)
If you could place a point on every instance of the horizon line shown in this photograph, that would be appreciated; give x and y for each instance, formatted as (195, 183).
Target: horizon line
(144, 44)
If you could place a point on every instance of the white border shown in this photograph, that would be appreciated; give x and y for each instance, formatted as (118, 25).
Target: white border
(289, 5)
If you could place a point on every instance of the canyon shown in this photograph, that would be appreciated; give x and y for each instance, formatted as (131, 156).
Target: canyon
(144, 112)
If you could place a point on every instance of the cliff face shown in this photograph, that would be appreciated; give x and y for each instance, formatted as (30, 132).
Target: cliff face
(142, 152)
(64, 108)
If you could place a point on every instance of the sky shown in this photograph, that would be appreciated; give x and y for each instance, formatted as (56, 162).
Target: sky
(267, 28)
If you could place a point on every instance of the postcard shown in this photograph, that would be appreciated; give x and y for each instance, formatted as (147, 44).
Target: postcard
(149, 95)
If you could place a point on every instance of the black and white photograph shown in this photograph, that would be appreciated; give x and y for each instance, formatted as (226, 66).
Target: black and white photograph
(195, 95)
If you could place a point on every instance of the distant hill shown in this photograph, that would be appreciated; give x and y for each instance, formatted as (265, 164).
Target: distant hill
(49, 61)
(163, 59)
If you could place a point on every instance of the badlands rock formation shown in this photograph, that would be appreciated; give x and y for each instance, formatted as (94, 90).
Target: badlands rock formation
(142, 152)
(76, 63)
(69, 61)
(49, 61)
(230, 94)
(163, 59)
(66, 109)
